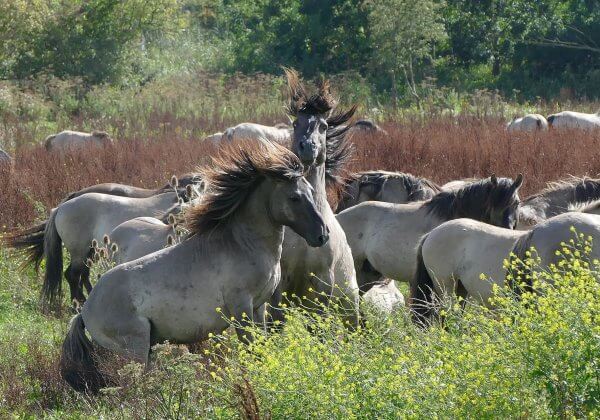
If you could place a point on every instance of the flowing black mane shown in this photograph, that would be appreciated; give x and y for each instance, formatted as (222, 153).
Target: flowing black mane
(581, 189)
(475, 200)
(339, 149)
(233, 176)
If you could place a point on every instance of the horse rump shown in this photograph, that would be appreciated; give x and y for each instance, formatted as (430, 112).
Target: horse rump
(28, 242)
(77, 362)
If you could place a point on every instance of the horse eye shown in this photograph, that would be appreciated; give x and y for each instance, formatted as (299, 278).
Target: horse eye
(294, 199)
(295, 123)
(322, 128)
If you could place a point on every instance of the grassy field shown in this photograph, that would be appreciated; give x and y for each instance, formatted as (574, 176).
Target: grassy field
(534, 358)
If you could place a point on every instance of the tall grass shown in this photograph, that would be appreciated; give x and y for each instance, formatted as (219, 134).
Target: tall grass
(534, 357)
(442, 149)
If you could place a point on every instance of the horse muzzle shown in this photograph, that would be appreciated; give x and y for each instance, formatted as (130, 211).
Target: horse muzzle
(308, 152)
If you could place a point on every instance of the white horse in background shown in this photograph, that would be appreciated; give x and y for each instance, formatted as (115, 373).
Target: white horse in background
(528, 123)
(572, 119)
(281, 134)
(68, 140)
(214, 138)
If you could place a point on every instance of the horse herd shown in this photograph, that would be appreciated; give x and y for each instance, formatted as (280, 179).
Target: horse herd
(564, 119)
(259, 230)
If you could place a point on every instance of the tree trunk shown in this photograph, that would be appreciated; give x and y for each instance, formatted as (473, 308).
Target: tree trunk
(496, 66)
(394, 90)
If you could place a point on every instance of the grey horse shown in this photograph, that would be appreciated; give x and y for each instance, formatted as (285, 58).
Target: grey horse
(320, 144)
(557, 198)
(76, 223)
(444, 268)
(227, 267)
(384, 236)
(390, 187)
(178, 184)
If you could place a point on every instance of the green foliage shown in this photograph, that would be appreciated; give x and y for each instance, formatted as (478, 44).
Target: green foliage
(405, 33)
(309, 35)
(91, 39)
(536, 356)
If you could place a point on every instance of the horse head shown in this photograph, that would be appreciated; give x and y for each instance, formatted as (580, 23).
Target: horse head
(309, 113)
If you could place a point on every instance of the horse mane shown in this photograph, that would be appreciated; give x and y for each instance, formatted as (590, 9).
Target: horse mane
(584, 189)
(412, 184)
(584, 207)
(339, 149)
(473, 200)
(232, 177)
(321, 102)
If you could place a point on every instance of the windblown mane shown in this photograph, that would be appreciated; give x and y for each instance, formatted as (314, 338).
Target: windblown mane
(339, 150)
(474, 200)
(583, 189)
(232, 177)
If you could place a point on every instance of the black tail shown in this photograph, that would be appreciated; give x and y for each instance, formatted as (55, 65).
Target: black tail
(421, 290)
(29, 242)
(52, 287)
(77, 363)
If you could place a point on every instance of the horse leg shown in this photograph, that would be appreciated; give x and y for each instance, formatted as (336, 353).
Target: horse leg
(72, 274)
(133, 340)
(275, 316)
(85, 279)
(260, 317)
(243, 313)
(367, 277)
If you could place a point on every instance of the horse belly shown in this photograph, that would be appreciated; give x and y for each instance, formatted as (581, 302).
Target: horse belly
(394, 254)
(181, 326)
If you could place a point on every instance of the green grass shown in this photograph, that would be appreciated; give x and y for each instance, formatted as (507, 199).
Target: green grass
(537, 357)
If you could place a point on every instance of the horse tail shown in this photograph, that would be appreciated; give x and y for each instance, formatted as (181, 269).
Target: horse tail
(77, 362)
(29, 242)
(521, 273)
(421, 289)
(52, 286)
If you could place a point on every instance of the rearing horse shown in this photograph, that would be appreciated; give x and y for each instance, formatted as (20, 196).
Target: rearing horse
(318, 139)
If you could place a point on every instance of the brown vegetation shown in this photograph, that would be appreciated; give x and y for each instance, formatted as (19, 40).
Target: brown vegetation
(441, 149)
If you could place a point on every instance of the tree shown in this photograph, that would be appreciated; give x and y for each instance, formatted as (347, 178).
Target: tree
(404, 33)
(91, 39)
(311, 35)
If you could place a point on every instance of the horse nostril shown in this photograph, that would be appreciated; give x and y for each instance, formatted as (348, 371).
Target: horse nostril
(301, 146)
(327, 229)
(323, 239)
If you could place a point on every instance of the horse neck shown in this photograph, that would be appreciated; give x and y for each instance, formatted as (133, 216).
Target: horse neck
(165, 200)
(316, 178)
(252, 225)
(551, 201)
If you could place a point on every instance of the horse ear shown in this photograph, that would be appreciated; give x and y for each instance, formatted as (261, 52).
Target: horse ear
(518, 182)
(494, 180)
